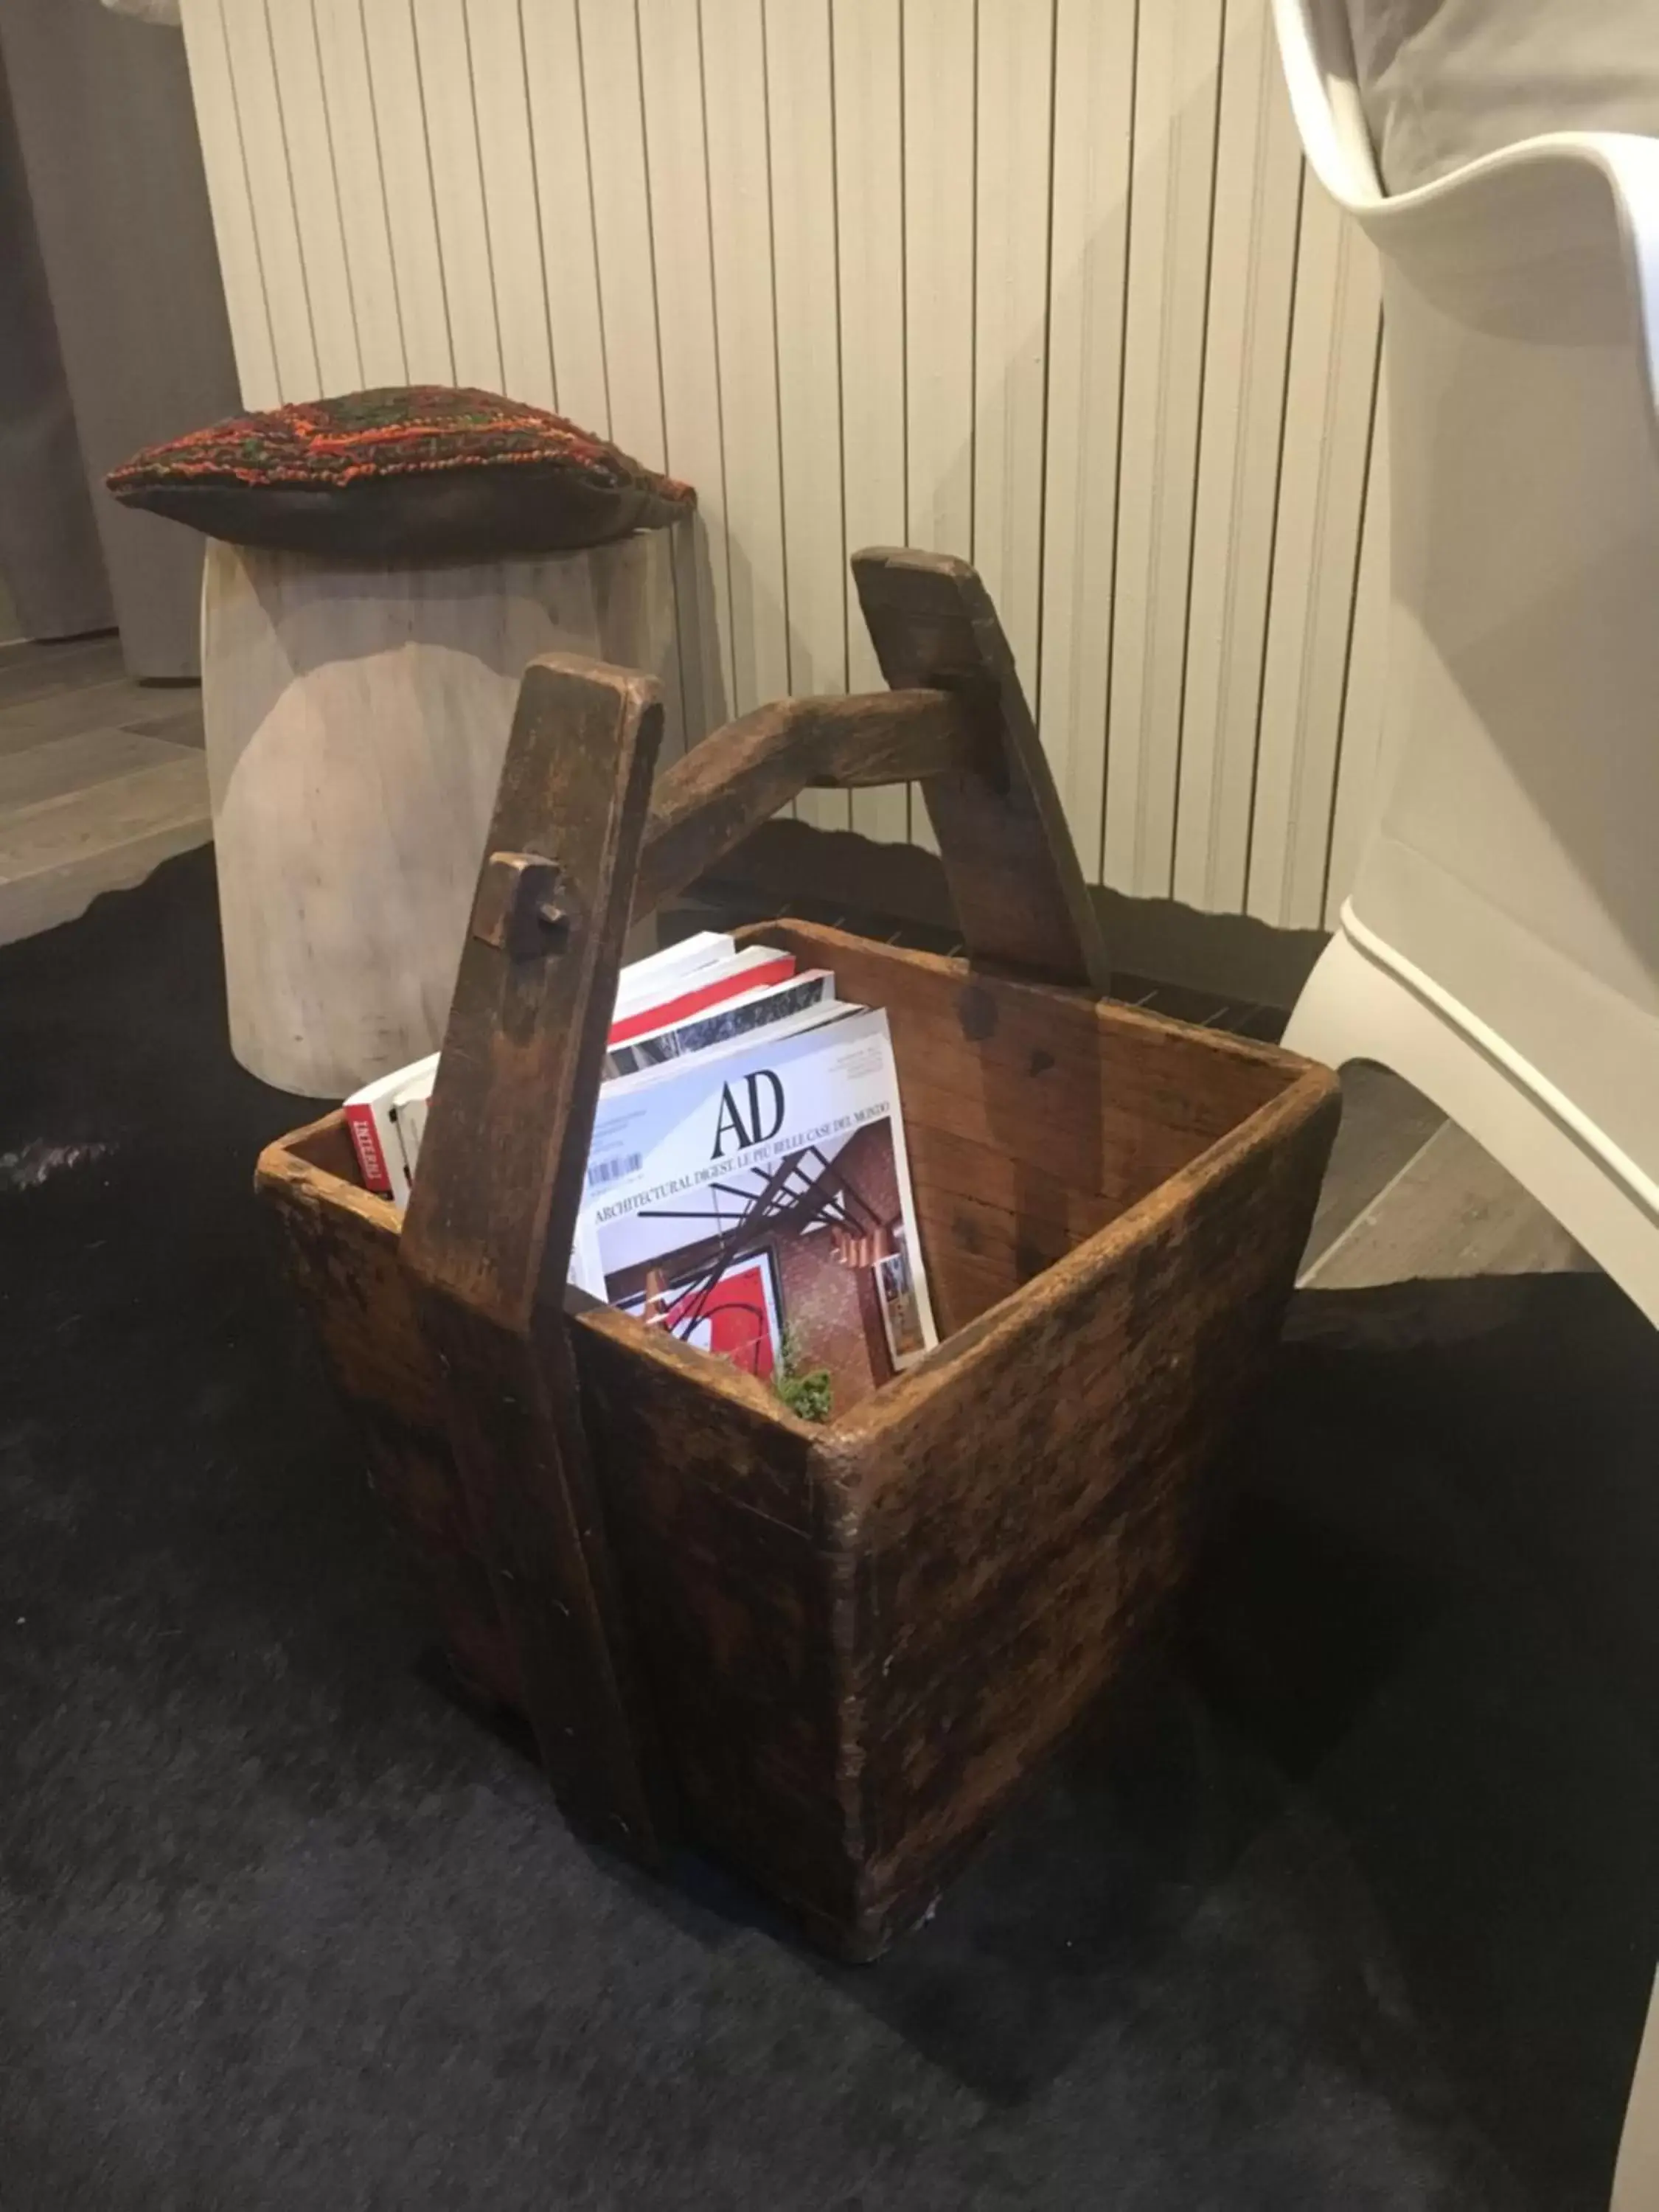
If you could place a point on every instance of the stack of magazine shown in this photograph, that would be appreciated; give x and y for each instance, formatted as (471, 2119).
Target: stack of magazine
(747, 1188)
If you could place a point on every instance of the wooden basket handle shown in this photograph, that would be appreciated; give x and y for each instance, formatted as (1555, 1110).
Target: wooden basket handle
(488, 1234)
(956, 722)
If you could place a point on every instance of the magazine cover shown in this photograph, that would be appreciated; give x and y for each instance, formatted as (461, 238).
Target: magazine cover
(654, 976)
(757, 1201)
(404, 1113)
(384, 1118)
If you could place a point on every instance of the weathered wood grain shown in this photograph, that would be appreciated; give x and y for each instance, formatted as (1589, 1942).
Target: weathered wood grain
(355, 720)
(62, 767)
(119, 704)
(32, 671)
(1078, 1421)
(57, 856)
(727, 787)
(859, 1641)
(723, 1529)
(1008, 855)
(341, 1245)
(1032, 1116)
(488, 1230)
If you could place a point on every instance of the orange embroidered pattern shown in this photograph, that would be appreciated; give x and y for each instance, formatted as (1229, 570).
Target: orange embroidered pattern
(397, 430)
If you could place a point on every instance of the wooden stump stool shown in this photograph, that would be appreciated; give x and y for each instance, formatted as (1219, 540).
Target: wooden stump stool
(356, 719)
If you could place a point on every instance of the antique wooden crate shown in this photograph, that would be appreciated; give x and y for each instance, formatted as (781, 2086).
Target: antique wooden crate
(841, 1648)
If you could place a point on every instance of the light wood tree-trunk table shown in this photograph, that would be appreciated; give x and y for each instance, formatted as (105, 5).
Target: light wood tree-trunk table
(356, 717)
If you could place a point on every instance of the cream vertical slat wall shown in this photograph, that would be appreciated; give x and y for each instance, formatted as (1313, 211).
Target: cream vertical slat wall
(867, 57)
(670, 67)
(1329, 410)
(398, 112)
(938, 212)
(218, 118)
(1171, 199)
(569, 275)
(308, 144)
(1252, 264)
(507, 201)
(626, 254)
(1014, 112)
(1041, 282)
(748, 510)
(449, 103)
(358, 174)
(1363, 767)
(800, 114)
(268, 182)
(1094, 113)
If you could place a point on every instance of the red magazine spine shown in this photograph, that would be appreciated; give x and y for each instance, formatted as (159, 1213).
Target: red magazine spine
(365, 1141)
(698, 1000)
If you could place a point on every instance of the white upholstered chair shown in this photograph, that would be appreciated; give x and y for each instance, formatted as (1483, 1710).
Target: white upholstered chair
(1500, 947)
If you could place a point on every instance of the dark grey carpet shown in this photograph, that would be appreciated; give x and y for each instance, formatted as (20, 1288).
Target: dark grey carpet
(1355, 1907)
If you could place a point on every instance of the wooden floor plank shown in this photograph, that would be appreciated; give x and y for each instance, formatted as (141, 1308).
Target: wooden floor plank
(1385, 1124)
(56, 831)
(57, 856)
(176, 724)
(65, 765)
(38, 671)
(1450, 1212)
(40, 901)
(118, 704)
(32, 652)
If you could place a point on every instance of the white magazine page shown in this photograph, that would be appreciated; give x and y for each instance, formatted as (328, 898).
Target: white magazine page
(408, 1118)
(646, 978)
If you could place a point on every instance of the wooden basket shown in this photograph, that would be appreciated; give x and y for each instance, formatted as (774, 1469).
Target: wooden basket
(829, 1652)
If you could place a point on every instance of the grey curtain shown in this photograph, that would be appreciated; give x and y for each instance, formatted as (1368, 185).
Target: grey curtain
(49, 559)
(108, 134)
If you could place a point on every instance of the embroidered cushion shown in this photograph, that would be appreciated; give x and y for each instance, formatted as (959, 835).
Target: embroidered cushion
(408, 472)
